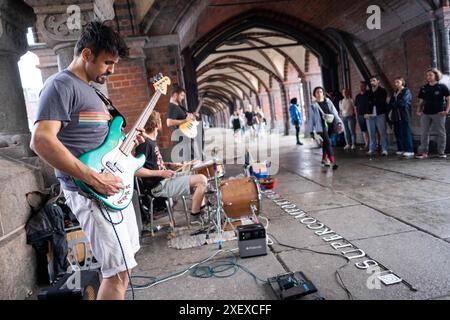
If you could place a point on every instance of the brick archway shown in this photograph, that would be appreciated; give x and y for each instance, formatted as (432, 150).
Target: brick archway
(316, 41)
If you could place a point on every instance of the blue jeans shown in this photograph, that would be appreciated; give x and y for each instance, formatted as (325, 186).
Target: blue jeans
(403, 135)
(350, 130)
(374, 123)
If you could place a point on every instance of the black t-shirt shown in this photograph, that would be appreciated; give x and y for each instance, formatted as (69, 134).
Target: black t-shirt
(153, 161)
(377, 99)
(250, 117)
(176, 112)
(236, 123)
(362, 103)
(434, 98)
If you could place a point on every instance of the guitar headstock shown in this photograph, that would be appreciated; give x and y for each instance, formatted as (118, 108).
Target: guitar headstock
(161, 83)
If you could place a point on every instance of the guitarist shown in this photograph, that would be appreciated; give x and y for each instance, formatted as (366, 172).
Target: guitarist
(177, 115)
(72, 120)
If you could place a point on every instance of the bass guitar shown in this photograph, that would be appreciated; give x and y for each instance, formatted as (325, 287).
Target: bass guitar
(115, 154)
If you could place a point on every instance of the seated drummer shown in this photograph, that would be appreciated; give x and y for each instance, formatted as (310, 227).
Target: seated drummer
(168, 180)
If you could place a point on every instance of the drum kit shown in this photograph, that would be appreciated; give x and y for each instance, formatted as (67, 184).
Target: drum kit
(231, 200)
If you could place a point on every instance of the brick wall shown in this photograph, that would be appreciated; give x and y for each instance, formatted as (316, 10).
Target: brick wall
(128, 90)
(125, 17)
(265, 104)
(165, 60)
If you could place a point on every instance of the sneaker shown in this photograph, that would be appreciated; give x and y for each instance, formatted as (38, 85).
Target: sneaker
(370, 153)
(347, 147)
(422, 156)
(408, 155)
(335, 166)
(400, 153)
(326, 163)
(442, 156)
(299, 143)
(353, 147)
(384, 153)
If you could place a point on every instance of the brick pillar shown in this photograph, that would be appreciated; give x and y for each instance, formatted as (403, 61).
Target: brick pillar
(443, 23)
(15, 18)
(163, 55)
(128, 87)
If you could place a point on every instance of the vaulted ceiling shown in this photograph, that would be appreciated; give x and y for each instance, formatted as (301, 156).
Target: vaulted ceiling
(249, 63)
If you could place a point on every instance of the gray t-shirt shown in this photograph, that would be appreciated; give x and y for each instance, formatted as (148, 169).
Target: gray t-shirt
(67, 98)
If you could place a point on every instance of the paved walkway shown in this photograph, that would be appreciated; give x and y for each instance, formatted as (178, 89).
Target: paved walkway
(396, 211)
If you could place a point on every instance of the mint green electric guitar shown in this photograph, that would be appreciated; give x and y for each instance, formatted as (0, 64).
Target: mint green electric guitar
(114, 155)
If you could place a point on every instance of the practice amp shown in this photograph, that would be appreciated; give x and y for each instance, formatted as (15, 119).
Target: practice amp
(252, 240)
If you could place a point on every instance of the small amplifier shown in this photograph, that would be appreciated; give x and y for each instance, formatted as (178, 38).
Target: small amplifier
(252, 240)
(83, 285)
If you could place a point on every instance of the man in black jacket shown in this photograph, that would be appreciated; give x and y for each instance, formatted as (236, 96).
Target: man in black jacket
(376, 116)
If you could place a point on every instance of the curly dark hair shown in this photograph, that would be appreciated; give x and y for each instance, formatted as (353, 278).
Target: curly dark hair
(98, 37)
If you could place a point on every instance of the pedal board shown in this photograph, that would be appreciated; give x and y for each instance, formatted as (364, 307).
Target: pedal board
(292, 286)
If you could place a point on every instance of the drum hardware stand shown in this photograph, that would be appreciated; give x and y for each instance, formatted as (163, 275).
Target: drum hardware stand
(254, 217)
(217, 222)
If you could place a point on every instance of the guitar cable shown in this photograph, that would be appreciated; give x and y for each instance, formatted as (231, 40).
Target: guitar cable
(114, 224)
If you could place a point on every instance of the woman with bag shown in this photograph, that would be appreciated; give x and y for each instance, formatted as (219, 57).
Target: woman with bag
(399, 115)
(323, 121)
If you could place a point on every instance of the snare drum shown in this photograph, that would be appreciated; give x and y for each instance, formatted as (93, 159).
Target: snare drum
(239, 195)
(207, 169)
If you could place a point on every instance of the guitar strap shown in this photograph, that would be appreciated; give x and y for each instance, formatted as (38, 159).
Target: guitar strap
(110, 107)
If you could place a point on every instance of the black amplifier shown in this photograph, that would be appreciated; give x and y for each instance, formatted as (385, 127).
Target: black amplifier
(252, 240)
(82, 285)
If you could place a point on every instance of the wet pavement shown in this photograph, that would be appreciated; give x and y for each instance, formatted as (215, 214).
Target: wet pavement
(396, 211)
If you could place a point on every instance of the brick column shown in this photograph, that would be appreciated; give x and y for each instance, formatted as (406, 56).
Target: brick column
(163, 55)
(443, 16)
(128, 87)
(15, 18)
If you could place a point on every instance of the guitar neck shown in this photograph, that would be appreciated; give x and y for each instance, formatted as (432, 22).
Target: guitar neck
(199, 107)
(128, 145)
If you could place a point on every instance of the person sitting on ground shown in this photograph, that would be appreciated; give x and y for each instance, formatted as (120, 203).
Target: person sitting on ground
(168, 180)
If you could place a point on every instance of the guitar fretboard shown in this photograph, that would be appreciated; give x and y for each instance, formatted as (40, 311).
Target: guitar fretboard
(128, 144)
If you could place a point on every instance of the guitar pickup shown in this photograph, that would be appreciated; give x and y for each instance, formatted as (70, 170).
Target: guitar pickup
(119, 167)
(111, 166)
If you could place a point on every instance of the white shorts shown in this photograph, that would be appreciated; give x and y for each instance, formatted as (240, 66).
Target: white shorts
(101, 235)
